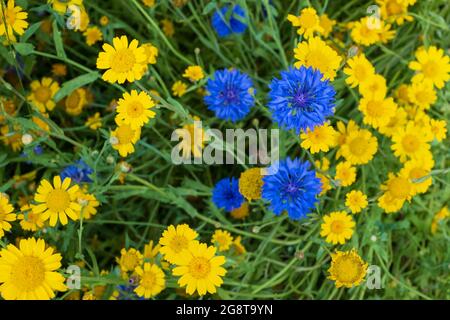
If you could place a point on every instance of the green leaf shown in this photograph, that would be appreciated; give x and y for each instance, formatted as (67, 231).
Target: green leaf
(6, 55)
(69, 86)
(209, 7)
(58, 41)
(24, 49)
(30, 31)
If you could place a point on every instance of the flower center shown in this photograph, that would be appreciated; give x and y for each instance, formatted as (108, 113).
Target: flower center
(308, 20)
(130, 261)
(199, 268)
(373, 109)
(135, 109)
(358, 146)
(123, 61)
(28, 273)
(58, 200)
(148, 280)
(42, 94)
(393, 8)
(178, 243)
(229, 96)
(417, 173)
(399, 188)
(347, 269)
(124, 134)
(410, 143)
(430, 69)
(337, 226)
(360, 72)
(73, 100)
(317, 60)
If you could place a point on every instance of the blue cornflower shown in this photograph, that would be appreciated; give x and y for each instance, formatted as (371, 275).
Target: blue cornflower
(290, 186)
(78, 172)
(226, 23)
(225, 194)
(229, 94)
(301, 99)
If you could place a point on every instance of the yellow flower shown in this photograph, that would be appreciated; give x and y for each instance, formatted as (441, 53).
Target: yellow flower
(129, 260)
(168, 27)
(438, 217)
(317, 54)
(322, 138)
(250, 183)
(398, 189)
(323, 165)
(15, 20)
(193, 139)
(432, 64)
(62, 5)
(242, 212)
(29, 271)
(42, 93)
(122, 61)
(326, 183)
(356, 201)
(94, 122)
(151, 52)
(75, 102)
(179, 88)
(238, 246)
(343, 132)
(359, 70)
(148, 3)
(439, 129)
(57, 201)
(151, 250)
(7, 108)
(30, 221)
(308, 22)
(394, 11)
(422, 94)
(345, 174)
(124, 138)
(194, 73)
(418, 172)
(93, 35)
(222, 239)
(12, 138)
(368, 31)
(88, 204)
(151, 280)
(327, 25)
(377, 111)
(199, 269)
(373, 87)
(337, 227)
(402, 94)
(175, 239)
(134, 109)
(410, 142)
(59, 69)
(396, 122)
(347, 269)
(6, 215)
(104, 21)
(359, 147)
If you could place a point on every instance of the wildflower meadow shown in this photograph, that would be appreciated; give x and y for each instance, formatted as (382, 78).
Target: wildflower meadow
(223, 150)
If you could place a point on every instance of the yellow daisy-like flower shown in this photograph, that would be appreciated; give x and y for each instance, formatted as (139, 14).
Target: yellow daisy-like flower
(151, 52)
(402, 94)
(250, 183)
(122, 61)
(439, 129)
(29, 272)
(360, 147)
(345, 174)
(129, 260)
(396, 122)
(94, 122)
(394, 11)
(242, 212)
(438, 217)
(193, 73)
(149, 3)
(317, 54)
(222, 239)
(308, 22)
(337, 227)
(151, 250)
(327, 25)
(57, 201)
(59, 70)
(377, 111)
(168, 28)
(15, 20)
(347, 269)
(62, 5)
(11, 137)
(134, 109)
(238, 246)
(88, 204)
(410, 142)
(363, 33)
(75, 102)
(343, 132)
(326, 183)
(398, 189)
(373, 87)
(93, 35)
(179, 88)
(359, 69)
(175, 239)
(42, 93)
(6, 214)
(151, 280)
(193, 139)
(322, 138)
(356, 201)
(124, 138)
(30, 221)
(104, 21)
(418, 172)
(199, 269)
(422, 94)
(431, 64)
